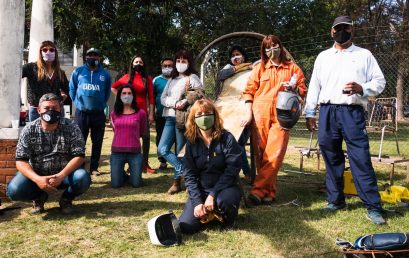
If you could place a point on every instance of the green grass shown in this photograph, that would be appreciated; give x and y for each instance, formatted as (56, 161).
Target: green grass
(112, 222)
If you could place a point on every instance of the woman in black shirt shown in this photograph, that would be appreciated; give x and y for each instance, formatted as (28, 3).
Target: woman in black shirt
(212, 164)
(44, 76)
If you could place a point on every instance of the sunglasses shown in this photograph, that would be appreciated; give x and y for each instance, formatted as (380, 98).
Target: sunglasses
(45, 50)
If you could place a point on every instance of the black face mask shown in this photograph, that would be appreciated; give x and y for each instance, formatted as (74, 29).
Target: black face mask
(51, 116)
(138, 68)
(342, 36)
(92, 61)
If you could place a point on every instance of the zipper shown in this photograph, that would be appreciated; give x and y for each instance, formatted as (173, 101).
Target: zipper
(92, 72)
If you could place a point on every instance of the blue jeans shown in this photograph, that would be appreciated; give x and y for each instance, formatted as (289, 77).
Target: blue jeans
(118, 175)
(32, 113)
(21, 188)
(171, 134)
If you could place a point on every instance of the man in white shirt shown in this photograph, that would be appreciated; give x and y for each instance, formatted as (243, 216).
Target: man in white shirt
(344, 76)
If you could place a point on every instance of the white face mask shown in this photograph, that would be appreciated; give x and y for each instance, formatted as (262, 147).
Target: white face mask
(181, 67)
(49, 56)
(167, 71)
(236, 57)
(127, 99)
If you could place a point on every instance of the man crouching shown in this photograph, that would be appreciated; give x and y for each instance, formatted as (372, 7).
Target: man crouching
(50, 155)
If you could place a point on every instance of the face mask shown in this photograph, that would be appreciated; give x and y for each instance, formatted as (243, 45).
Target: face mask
(236, 57)
(342, 36)
(181, 68)
(205, 122)
(138, 68)
(49, 56)
(92, 61)
(167, 71)
(51, 116)
(127, 99)
(273, 52)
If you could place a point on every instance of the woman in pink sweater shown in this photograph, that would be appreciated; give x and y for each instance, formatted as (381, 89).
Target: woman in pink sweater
(129, 124)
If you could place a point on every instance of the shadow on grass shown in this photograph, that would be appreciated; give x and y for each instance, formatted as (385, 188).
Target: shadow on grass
(111, 209)
(9, 211)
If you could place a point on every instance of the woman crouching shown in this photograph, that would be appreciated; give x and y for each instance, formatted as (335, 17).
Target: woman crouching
(212, 164)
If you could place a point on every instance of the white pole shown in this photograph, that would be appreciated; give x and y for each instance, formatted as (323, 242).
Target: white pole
(11, 53)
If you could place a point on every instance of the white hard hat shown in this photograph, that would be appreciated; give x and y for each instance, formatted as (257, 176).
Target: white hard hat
(164, 230)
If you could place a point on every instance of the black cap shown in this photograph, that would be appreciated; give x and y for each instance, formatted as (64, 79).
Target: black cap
(93, 50)
(342, 20)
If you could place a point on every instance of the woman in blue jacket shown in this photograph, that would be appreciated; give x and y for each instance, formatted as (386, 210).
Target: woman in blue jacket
(212, 163)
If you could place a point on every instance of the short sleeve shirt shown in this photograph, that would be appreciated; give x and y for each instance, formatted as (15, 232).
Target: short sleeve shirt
(49, 152)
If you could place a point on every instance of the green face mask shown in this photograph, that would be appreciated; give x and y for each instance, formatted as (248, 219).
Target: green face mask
(205, 122)
(273, 53)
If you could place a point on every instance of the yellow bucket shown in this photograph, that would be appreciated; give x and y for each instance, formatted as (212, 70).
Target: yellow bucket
(349, 186)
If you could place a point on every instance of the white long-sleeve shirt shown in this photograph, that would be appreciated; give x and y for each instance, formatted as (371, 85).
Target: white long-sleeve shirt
(334, 68)
(174, 90)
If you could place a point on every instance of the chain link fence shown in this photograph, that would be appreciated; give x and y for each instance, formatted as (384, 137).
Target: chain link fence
(390, 49)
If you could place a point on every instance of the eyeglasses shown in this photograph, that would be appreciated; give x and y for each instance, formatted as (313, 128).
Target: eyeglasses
(45, 49)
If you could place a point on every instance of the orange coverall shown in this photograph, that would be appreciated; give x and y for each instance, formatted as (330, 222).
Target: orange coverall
(269, 139)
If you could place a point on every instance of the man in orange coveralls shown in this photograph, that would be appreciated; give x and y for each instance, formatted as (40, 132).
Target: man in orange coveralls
(270, 140)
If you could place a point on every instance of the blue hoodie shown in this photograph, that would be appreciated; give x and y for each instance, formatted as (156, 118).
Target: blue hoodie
(90, 90)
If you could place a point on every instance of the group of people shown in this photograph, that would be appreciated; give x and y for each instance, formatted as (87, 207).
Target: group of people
(51, 150)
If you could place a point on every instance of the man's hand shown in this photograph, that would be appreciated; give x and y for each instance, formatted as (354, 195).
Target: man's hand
(199, 211)
(55, 180)
(353, 88)
(43, 182)
(209, 203)
(311, 124)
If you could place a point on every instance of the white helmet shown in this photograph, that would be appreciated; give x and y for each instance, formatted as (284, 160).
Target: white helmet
(288, 109)
(164, 230)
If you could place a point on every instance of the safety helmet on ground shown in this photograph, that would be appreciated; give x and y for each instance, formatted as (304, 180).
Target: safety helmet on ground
(164, 230)
(288, 109)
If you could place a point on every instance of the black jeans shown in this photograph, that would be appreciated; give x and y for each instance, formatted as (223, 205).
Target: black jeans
(94, 122)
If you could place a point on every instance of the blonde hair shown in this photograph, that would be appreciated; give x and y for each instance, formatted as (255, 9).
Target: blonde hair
(192, 131)
(41, 70)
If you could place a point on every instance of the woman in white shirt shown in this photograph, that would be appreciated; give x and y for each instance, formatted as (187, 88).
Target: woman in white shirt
(183, 77)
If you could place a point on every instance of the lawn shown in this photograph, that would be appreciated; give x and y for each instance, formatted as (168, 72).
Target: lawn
(112, 222)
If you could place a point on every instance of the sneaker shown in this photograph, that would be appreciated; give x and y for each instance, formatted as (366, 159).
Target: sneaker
(95, 173)
(331, 208)
(267, 200)
(38, 204)
(254, 199)
(376, 217)
(163, 165)
(65, 206)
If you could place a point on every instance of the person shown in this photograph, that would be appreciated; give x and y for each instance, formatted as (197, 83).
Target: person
(90, 86)
(237, 63)
(159, 83)
(44, 76)
(270, 141)
(344, 76)
(50, 155)
(128, 124)
(212, 165)
(182, 76)
(142, 84)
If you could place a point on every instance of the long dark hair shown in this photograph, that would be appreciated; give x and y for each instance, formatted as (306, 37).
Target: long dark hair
(185, 55)
(132, 71)
(41, 63)
(119, 106)
(241, 50)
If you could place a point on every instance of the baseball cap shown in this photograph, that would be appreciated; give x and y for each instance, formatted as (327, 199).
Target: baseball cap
(93, 50)
(342, 20)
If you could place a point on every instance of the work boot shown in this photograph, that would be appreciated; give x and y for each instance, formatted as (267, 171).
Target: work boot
(65, 206)
(175, 188)
(38, 204)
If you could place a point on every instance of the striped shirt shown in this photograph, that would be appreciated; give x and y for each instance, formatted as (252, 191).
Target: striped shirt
(127, 131)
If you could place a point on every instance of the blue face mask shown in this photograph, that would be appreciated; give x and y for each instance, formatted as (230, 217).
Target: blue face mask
(92, 61)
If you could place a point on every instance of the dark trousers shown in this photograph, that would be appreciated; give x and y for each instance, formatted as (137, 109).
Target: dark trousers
(227, 201)
(159, 125)
(94, 122)
(347, 122)
(146, 142)
(244, 137)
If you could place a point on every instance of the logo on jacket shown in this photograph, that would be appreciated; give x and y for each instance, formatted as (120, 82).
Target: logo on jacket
(102, 78)
(89, 86)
